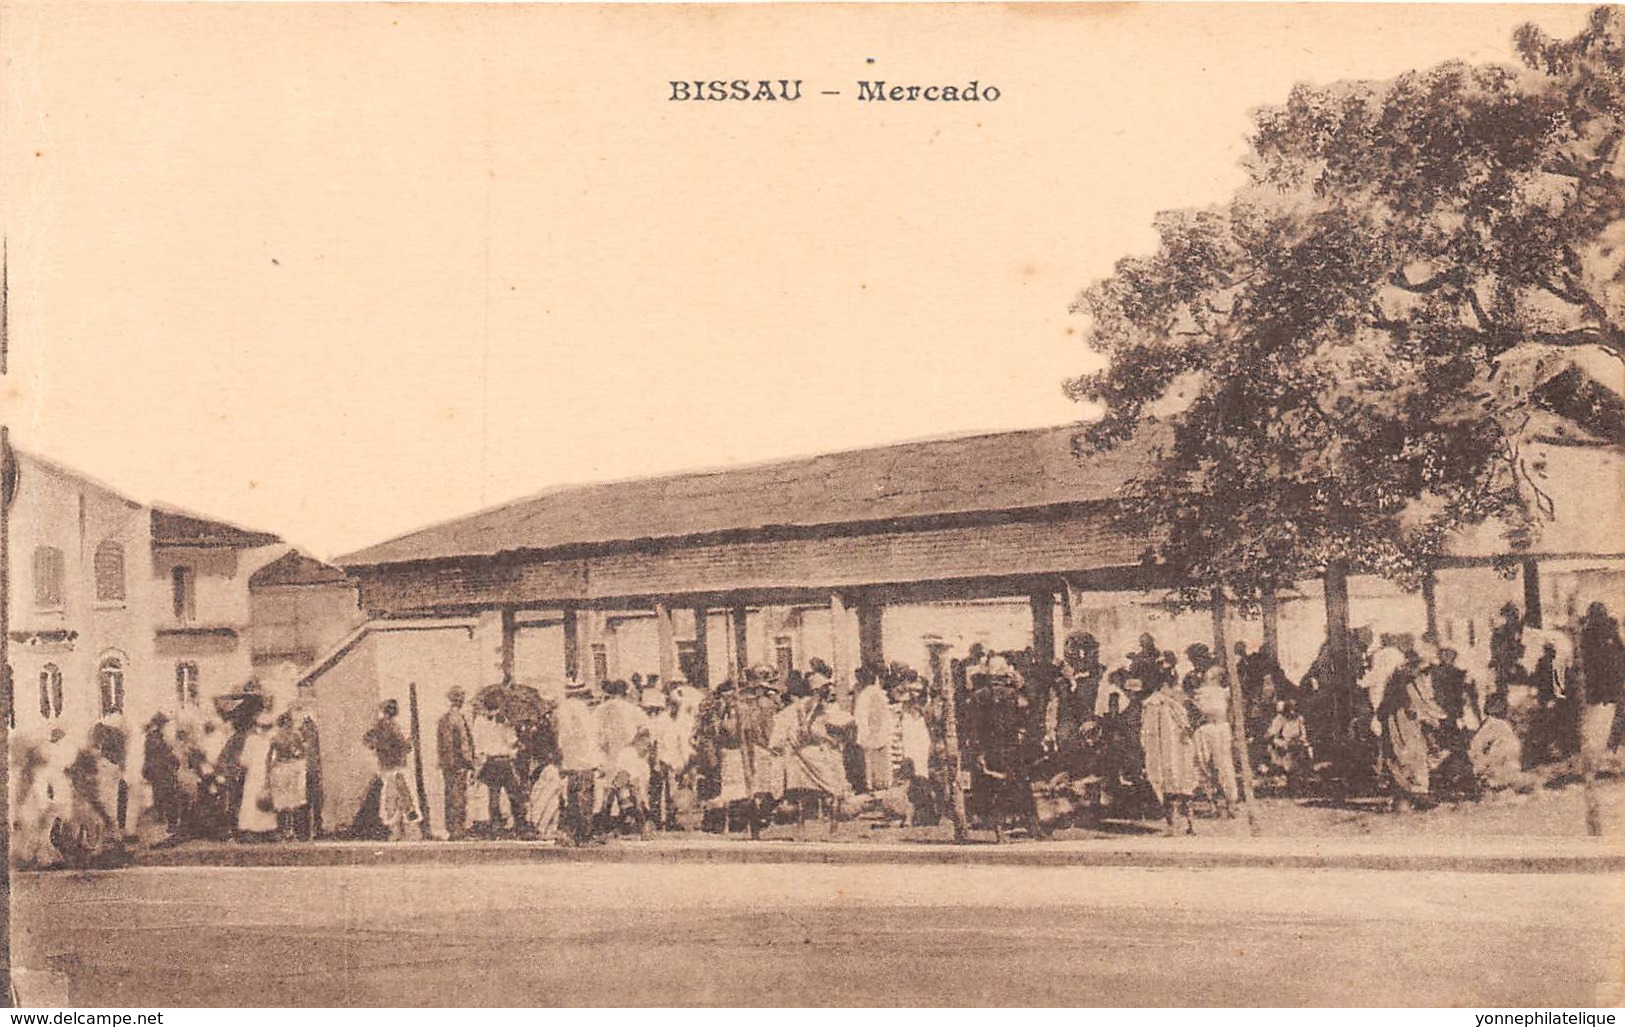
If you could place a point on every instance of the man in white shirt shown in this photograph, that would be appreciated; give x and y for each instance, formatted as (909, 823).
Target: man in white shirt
(876, 725)
(497, 745)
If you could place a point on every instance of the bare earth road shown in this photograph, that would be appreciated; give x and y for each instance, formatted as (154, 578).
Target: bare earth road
(776, 934)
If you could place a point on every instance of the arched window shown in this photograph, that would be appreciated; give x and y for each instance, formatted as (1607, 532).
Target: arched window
(110, 572)
(111, 677)
(49, 570)
(50, 692)
(186, 679)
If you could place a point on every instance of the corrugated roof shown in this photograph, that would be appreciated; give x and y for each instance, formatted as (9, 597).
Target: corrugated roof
(1004, 471)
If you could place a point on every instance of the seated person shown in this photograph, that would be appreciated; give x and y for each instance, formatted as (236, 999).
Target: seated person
(1496, 752)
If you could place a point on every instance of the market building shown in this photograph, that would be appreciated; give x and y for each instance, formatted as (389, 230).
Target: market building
(909, 553)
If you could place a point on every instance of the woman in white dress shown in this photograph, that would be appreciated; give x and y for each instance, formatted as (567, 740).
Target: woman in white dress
(257, 815)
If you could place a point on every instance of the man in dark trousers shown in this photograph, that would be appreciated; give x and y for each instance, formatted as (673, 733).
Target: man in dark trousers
(455, 740)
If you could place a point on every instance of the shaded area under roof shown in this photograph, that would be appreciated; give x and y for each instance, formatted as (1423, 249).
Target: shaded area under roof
(175, 528)
(1004, 471)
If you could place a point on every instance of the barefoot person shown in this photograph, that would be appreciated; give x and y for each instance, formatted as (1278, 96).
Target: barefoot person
(1170, 751)
(397, 805)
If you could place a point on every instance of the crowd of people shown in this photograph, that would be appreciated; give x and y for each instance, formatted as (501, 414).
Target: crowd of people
(245, 774)
(1034, 745)
(1030, 744)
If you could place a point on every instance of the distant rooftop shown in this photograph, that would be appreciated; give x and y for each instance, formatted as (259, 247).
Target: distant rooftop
(174, 528)
(935, 478)
(295, 568)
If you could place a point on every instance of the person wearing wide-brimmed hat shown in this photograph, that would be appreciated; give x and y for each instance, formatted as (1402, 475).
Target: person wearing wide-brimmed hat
(454, 745)
(998, 746)
(580, 757)
(160, 767)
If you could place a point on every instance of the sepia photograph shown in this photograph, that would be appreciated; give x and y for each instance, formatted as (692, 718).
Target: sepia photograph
(812, 505)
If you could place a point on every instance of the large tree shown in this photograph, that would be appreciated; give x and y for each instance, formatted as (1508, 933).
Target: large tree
(1353, 352)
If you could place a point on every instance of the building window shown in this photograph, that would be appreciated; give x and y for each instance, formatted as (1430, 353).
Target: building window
(110, 572)
(111, 677)
(50, 692)
(784, 656)
(183, 591)
(600, 664)
(186, 684)
(49, 570)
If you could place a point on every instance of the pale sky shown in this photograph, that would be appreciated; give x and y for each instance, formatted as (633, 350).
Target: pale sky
(338, 272)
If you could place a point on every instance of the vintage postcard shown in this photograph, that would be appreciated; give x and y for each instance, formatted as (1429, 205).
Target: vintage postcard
(805, 505)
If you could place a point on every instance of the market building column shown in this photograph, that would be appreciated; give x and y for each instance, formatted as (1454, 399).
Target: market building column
(1043, 607)
(871, 648)
(510, 632)
(741, 635)
(572, 644)
(666, 639)
(842, 651)
(702, 647)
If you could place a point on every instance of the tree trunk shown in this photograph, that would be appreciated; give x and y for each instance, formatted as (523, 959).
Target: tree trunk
(1238, 707)
(1532, 614)
(1272, 622)
(1337, 643)
(944, 681)
(1430, 604)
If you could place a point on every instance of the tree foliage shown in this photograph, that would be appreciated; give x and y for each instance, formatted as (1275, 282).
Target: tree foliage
(1363, 329)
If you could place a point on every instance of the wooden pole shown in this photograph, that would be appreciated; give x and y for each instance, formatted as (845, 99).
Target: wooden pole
(1238, 708)
(1577, 687)
(417, 757)
(741, 668)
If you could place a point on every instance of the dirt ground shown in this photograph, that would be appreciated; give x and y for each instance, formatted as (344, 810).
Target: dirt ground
(1557, 810)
